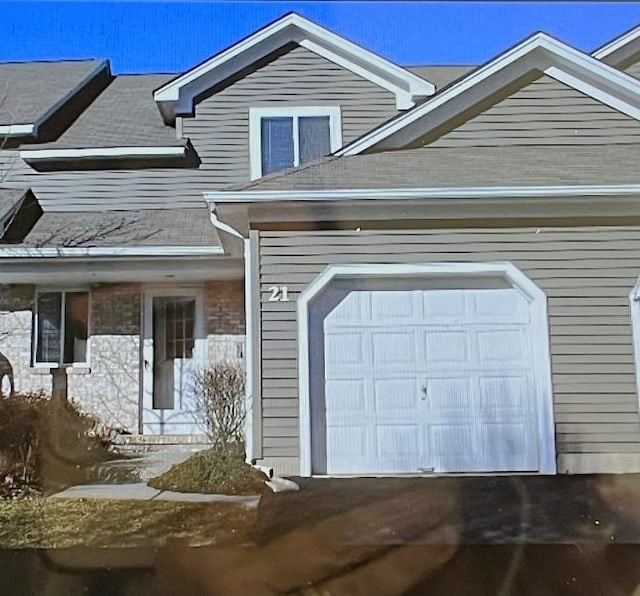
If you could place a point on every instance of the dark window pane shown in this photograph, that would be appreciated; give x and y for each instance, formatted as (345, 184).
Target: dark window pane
(315, 139)
(276, 144)
(75, 327)
(49, 309)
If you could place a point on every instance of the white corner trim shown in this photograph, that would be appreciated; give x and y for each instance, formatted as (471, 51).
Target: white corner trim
(402, 194)
(101, 152)
(17, 130)
(8, 252)
(538, 52)
(535, 296)
(255, 138)
(294, 28)
(634, 305)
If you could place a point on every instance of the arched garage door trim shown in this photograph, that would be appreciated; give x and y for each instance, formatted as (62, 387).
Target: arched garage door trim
(507, 271)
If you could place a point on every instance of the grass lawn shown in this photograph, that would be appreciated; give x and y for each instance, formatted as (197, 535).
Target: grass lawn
(58, 523)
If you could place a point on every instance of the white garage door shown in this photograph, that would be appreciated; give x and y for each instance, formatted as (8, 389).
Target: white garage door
(423, 380)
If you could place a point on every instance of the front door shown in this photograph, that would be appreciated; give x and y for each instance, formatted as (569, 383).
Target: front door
(174, 350)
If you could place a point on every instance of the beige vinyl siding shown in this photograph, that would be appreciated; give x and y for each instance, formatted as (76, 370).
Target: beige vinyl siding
(545, 112)
(220, 128)
(586, 273)
(219, 132)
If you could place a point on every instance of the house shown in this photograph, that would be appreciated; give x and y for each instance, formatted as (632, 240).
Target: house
(424, 270)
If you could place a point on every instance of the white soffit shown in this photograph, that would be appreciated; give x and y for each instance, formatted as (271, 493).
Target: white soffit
(293, 28)
(539, 52)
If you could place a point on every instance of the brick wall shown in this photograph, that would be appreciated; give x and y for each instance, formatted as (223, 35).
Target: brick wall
(224, 307)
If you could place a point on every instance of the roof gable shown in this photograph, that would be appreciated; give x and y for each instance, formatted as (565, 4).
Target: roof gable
(512, 70)
(177, 96)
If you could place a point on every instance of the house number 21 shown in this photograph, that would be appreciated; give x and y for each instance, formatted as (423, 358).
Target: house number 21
(279, 294)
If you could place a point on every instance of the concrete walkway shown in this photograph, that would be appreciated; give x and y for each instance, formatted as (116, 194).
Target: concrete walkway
(140, 491)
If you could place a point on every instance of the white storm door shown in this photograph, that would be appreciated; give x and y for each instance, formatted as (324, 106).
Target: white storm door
(175, 349)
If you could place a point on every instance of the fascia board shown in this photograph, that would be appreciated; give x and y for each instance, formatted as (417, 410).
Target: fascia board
(403, 194)
(20, 252)
(540, 52)
(17, 130)
(294, 28)
(618, 47)
(30, 155)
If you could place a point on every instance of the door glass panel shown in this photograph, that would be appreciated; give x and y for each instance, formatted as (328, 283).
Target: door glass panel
(49, 310)
(76, 317)
(314, 135)
(179, 324)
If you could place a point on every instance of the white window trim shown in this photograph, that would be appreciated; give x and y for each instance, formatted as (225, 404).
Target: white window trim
(34, 339)
(532, 293)
(256, 115)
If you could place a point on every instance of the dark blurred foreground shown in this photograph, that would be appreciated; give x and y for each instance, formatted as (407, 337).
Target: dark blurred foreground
(494, 536)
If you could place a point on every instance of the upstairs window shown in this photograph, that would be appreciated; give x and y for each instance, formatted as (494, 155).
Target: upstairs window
(61, 328)
(282, 138)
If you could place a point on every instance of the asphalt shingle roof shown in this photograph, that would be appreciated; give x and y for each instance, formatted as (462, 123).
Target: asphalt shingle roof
(153, 227)
(9, 200)
(28, 90)
(465, 166)
(440, 76)
(123, 115)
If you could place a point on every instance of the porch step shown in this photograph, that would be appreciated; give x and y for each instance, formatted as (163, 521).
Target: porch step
(162, 440)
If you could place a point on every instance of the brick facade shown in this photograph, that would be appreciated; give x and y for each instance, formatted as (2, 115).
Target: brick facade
(110, 387)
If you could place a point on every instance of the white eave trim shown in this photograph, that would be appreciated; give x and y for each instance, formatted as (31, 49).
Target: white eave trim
(102, 152)
(539, 52)
(294, 28)
(401, 194)
(617, 44)
(17, 130)
(8, 252)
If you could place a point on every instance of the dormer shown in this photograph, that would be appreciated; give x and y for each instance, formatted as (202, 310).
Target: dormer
(177, 97)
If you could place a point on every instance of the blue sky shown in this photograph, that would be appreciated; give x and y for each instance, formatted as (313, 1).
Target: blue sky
(161, 36)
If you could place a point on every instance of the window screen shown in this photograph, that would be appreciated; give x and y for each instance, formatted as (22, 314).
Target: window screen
(62, 327)
(276, 143)
(315, 140)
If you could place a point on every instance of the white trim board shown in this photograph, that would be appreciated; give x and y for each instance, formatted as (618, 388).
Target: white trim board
(30, 155)
(8, 252)
(255, 137)
(178, 95)
(539, 52)
(619, 48)
(634, 305)
(403, 194)
(533, 294)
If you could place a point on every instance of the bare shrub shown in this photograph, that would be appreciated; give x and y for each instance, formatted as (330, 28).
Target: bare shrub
(219, 396)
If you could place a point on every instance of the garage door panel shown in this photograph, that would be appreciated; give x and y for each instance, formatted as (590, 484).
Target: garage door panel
(503, 347)
(393, 351)
(398, 397)
(453, 447)
(449, 398)
(345, 399)
(445, 347)
(345, 354)
(396, 307)
(505, 397)
(500, 306)
(444, 305)
(507, 447)
(397, 447)
(430, 378)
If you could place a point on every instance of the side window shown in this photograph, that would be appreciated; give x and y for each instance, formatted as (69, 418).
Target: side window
(281, 138)
(61, 328)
